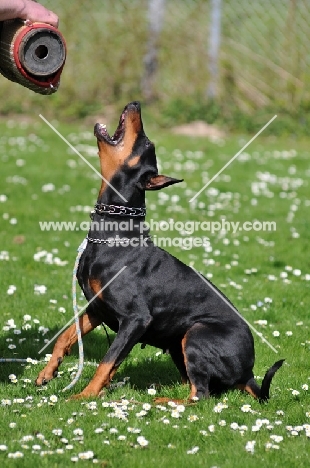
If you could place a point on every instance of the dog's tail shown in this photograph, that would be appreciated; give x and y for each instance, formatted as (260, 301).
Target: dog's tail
(262, 393)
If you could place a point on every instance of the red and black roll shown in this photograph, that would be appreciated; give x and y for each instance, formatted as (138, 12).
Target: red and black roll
(32, 55)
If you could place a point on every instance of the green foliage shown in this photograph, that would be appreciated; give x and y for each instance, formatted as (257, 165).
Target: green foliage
(231, 117)
(183, 110)
(259, 74)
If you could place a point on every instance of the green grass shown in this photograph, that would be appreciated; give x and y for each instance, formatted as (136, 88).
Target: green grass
(33, 156)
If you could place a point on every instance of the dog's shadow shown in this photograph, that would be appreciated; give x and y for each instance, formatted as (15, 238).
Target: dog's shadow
(144, 370)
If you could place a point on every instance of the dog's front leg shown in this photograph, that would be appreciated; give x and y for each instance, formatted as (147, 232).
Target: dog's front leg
(63, 346)
(129, 333)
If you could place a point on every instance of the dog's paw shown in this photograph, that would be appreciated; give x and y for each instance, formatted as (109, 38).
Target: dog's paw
(165, 400)
(44, 377)
(82, 396)
(78, 396)
(41, 380)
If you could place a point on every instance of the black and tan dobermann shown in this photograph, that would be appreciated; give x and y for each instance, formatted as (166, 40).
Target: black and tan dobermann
(156, 300)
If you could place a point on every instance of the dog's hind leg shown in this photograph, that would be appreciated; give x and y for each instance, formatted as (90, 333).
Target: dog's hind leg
(196, 362)
(192, 364)
(63, 346)
(177, 356)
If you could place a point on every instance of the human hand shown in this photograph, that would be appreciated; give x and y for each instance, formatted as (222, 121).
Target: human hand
(34, 11)
(27, 10)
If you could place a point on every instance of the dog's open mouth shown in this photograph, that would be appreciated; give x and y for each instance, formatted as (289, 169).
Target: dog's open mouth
(102, 134)
(132, 111)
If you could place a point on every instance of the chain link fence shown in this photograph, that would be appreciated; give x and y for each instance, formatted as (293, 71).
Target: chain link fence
(251, 54)
(265, 51)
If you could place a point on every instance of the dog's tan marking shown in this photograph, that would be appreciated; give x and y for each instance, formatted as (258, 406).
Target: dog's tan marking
(193, 391)
(96, 287)
(112, 158)
(193, 387)
(183, 344)
(133, 126)
(64, 344)
(133, 161)
(103, 376)
(178, 401)
(246, 388)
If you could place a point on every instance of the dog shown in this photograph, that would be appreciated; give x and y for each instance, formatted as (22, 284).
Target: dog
(156, 300)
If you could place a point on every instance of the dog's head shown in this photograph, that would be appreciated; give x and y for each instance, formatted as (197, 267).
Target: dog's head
(128, 160)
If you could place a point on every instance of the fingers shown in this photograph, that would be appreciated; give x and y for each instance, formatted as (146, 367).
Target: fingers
(35, 12)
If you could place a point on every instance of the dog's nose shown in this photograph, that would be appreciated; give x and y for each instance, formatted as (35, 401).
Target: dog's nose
(135, 104)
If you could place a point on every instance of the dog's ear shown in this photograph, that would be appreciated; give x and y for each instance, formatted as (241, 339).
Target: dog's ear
(160, 181)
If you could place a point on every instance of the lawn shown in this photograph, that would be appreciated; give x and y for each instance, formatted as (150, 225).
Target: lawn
(266, 274)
